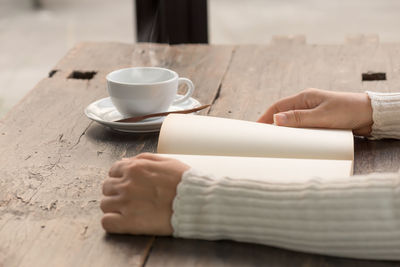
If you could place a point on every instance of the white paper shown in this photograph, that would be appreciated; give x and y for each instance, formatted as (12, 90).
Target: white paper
(267, 169)
(203, 135)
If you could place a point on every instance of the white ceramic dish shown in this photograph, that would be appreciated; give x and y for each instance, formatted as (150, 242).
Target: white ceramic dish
(105, 113)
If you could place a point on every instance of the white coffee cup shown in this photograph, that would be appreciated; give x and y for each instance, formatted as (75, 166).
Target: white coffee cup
(145, 90)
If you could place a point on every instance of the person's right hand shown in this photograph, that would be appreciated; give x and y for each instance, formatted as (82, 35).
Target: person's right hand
(314, 108)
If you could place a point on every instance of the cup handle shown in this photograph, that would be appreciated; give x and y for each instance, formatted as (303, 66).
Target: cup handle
(189, 90)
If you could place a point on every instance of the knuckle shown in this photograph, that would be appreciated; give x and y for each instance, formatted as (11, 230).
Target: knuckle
(125, 200)
(136, 166)
(133, 166)
(308, 92)
(143, 155)
(126, 190)
(107, 187)
(104, 189)
(127, 167)
(102, 204)
(140, 164)
(297, 117)
(311, 97)
(119, 165)
(131, 172)
(105, 223)
(123, 169)
(124, 187)
(106, 182)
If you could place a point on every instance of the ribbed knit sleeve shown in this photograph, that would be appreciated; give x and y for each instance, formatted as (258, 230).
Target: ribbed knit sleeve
(352, 217)
(385, 114)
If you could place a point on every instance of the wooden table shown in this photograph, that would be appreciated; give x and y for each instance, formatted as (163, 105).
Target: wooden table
(54, 159)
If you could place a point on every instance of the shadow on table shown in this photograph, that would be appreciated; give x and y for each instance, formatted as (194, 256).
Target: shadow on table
(125, 241)
(131, 143)
(168, 251)
(376, 155)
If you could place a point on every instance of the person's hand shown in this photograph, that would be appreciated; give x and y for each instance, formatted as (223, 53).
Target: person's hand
(316, 108)
(139, 193)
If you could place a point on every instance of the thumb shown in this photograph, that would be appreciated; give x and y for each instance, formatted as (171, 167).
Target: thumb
(296, 118)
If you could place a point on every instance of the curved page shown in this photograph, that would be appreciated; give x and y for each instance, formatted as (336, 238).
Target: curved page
(204, 135)
(267, 169)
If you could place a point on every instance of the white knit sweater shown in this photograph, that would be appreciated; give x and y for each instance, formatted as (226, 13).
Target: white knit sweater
(357, 217)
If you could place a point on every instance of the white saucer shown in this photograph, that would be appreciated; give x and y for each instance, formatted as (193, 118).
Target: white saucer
(104, 112)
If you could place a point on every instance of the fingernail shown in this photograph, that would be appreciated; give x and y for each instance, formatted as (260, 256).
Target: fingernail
(280, 119)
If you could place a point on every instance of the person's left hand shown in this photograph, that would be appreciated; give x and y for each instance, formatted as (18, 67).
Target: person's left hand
(139, 193)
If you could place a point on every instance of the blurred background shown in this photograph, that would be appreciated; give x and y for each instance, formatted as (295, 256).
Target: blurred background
(35, 34)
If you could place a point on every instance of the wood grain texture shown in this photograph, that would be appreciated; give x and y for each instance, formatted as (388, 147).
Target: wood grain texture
(56, 158)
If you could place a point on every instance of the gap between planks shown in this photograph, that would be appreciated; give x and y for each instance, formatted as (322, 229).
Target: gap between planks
(147, 250)
(218, 93)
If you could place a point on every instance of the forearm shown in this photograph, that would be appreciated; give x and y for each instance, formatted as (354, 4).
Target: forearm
(353, 217)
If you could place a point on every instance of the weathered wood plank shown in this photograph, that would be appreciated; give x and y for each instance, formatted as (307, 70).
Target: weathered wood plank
(56, 158)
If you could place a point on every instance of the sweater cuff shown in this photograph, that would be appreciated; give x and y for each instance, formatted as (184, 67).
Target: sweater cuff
(385, 115)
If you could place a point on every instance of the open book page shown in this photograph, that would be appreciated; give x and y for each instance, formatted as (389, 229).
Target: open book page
(269, 169)
(204, 135)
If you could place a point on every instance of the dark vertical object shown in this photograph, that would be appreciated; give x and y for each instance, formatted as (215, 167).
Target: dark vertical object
(37, 4)
(199, 21)
(172, 21)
